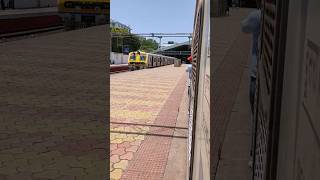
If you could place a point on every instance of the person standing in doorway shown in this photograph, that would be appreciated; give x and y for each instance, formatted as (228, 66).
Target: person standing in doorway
(251, 25)
(189, 70)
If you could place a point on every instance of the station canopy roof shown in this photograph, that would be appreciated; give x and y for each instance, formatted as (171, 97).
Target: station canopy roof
(185, 46)
(180, 50)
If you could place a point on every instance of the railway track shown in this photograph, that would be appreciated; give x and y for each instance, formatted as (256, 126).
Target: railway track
(114, 72)
(36, 32)
(30, 33)
(118, 68)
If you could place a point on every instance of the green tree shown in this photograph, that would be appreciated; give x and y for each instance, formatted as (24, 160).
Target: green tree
(148, 45)
(132, 42)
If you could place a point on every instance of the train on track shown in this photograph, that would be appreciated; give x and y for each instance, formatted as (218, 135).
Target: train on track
(199, 96)
(80, 13)
(142, 60)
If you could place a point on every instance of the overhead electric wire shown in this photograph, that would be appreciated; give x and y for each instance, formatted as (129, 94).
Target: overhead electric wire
(159, 35)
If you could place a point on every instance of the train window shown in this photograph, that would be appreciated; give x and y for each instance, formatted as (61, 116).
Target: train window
(142, 58)
(133, 57)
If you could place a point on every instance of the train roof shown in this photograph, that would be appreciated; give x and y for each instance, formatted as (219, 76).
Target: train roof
(151, 54)
(160, 55)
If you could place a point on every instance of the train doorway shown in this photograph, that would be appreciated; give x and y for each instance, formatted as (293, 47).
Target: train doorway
(149, 105)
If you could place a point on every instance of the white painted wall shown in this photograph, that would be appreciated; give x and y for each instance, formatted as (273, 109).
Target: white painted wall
(118, 58)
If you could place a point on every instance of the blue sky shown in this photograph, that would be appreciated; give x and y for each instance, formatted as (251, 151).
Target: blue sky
(153, 16)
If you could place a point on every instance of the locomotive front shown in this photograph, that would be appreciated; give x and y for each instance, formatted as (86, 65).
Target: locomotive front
(137, 60)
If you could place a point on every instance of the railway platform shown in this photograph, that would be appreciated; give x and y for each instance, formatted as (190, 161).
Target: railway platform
(53, 106)
(148, 124)
(231, 123)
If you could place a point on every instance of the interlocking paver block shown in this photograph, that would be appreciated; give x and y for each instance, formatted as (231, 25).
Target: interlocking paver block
(50, 107)
(116, 173)
(127, 156)
(135, 101)
(119, 151)
(114, 158)
(132, 149)
(73, 171)
(49, 174)
(121, 164)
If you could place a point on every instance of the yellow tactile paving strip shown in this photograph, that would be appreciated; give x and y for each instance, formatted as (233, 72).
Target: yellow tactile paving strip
(136, 97)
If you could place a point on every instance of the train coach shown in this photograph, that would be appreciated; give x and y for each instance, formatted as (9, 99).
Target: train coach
(142, 60)
(199, 161)
(79, 13)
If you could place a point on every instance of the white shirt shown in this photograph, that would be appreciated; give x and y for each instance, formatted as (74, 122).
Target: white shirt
(252, 25)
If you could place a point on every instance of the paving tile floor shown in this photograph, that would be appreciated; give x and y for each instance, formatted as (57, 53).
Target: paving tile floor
(142, 102)
(231, 120)
(53, 106)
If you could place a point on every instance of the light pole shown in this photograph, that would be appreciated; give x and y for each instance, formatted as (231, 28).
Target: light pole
(160, 37)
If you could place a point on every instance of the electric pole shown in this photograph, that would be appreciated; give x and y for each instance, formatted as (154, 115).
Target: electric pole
(160, 37)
